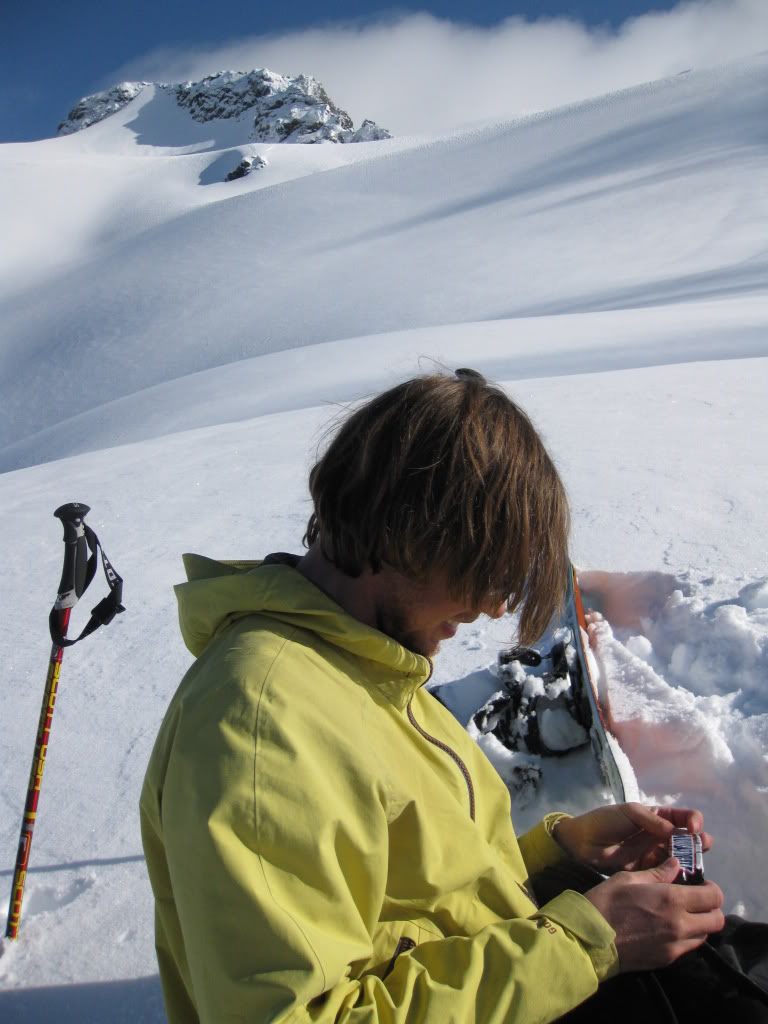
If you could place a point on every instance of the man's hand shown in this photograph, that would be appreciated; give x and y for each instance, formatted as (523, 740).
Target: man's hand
(656, 922)
(626, 837)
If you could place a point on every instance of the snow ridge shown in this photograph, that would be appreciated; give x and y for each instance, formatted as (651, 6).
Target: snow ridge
(283, 109)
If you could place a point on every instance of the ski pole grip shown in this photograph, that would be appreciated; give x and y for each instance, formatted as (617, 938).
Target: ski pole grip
(73, 574)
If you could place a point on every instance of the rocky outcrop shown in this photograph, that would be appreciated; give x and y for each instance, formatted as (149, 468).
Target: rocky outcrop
(368, 131)
(91, 109)
(246, 165)
(275, 108)
(283, 109)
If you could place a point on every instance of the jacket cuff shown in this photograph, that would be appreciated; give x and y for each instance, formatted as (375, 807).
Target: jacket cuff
(538, 846)
(577, 915)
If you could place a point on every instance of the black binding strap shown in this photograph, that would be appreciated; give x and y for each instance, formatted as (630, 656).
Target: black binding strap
(107, 608)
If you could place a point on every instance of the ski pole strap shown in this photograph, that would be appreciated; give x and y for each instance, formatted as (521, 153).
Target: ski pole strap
(108, 607)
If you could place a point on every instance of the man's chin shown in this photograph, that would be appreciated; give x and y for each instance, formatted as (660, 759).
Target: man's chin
(419, 645)
(426, 648)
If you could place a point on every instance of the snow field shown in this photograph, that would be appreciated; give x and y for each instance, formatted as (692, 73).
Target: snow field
(563, 213)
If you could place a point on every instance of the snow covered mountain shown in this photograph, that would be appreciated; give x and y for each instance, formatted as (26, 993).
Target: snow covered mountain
(173, 344)
(275, 108)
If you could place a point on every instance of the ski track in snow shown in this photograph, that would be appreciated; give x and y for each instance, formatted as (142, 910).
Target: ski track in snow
(172, 348)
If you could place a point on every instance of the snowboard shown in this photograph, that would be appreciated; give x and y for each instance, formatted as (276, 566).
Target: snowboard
(613, 762)
(546, 718)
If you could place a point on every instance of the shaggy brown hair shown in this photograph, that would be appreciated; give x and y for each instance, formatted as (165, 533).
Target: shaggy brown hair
(446, 474)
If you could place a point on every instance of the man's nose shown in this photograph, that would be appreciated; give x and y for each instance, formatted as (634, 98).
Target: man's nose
(496, 611)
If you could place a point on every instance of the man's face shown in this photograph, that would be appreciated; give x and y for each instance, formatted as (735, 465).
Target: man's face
(420, 615)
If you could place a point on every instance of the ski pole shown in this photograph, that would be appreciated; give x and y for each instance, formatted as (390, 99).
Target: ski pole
(77, 573)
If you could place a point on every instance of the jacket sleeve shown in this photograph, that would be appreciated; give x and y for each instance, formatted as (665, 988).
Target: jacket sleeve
(275, 839)
(539, 847)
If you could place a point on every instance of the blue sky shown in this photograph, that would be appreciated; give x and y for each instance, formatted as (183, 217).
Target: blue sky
(54, 52)
(425, 67)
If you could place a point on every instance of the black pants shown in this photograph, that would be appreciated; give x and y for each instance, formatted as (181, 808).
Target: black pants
(725, 979)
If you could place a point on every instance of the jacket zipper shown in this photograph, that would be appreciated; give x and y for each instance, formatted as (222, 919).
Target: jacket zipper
(451, 753)
(402, 946)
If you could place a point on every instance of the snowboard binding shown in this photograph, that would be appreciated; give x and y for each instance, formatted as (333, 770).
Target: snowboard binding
(536, 712)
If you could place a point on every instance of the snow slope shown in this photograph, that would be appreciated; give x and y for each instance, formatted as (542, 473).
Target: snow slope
(585, 209)
(172, 348)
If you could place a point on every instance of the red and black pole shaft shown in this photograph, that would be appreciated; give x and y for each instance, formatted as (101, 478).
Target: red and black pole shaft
(73, 582)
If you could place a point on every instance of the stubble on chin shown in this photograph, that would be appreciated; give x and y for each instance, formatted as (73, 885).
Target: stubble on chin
(392, 623)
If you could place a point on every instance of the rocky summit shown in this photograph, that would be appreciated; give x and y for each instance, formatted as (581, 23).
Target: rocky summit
(92, 109)
(279, 108)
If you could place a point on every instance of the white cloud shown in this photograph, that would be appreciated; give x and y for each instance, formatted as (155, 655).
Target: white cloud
(417, 73)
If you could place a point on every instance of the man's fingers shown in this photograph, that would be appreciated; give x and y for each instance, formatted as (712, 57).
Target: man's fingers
(688, 945)
(695, 899)
(663, 873)
(695, 822)
(682, 817)
(700, 899)
(647, 819)
(714, 921)
(703, 924)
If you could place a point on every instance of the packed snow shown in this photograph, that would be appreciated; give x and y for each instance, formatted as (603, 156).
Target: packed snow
(174, 346)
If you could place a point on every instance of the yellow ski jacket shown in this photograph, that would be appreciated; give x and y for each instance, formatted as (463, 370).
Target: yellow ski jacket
(326, 843)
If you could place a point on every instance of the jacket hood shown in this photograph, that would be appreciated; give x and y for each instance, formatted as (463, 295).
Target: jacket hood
(219, 593)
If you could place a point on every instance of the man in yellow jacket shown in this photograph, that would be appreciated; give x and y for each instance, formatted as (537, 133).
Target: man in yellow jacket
(325, 842)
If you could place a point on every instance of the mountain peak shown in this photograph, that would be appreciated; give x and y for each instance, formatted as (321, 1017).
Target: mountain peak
(280, 108)
(92, 109)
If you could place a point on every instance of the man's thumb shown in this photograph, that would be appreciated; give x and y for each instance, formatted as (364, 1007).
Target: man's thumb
(666, 872)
